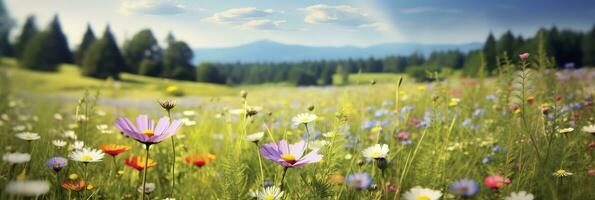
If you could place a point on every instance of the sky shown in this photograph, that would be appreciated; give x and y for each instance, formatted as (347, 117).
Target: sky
(223, 23)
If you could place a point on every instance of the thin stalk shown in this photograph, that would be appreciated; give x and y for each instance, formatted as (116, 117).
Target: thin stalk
(145, 171)
(260, 164)
(308, 135)
(283, 177)
(173, 159)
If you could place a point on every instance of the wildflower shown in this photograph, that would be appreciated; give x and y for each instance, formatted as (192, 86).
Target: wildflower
(419, 193)
(138, 162)
(16, 158)
(199, 160)
(74, 185)
(522, 195)
(28, 136)
(57, 163)
(289, 155)
(464, 187)
(59, 143)
(496, 182)
(27, 188)
(487, 159)
(86, 155)
(376, 151)
(104, 128)
(73, 176)
(255, 137)
(336, 179)
(77, 145)
(268, 193)
(454, 102)
(359, 180)
(149, 187)
(189, 113)
(566, 130)
(114, 149)
(167, 104)
(562, 173)
(303, 118)
(70, 134)
(145, 131)
(524, 56)
(589, 129)
(317, 144)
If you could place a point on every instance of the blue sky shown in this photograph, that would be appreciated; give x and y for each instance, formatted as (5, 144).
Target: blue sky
(218, 23)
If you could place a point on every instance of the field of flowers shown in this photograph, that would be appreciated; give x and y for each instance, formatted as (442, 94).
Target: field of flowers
(527, 133)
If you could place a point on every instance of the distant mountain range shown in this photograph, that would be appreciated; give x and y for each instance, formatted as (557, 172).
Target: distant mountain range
(271, 51)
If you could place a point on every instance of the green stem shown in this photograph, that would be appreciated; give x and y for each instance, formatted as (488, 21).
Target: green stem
(260, 164)
(145, 171)
(173, 160)
(283, 177)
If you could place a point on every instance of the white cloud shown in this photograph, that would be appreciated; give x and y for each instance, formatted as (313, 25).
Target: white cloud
(379, 26)
(345, 15)
(151, 7)
(238, 15)
(263, 24)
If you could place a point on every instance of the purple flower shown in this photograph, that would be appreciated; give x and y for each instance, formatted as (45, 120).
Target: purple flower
(359, 180)
(145, 130)
(57, 163)
(289, 155)
(464, 187)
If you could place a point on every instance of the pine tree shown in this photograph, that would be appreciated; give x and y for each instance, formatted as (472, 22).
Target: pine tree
(588, 47)
(206, 72)
(58, 47)
(177, 60)
(103, 59)
(490, 52)
(506, 44)
(88, 39)
(142, 46)
(28, 32)
(6, 24)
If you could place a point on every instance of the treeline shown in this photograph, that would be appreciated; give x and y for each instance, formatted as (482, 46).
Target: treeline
(569, 48)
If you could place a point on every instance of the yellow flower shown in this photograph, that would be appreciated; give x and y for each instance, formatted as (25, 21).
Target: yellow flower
(73, 176)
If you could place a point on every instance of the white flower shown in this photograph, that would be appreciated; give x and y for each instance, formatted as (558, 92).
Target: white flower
(376, 151)
(562, 173)
(16, 158)
(27, 188)
(303, 118)
(86, 155)
(149, 187)
(188, 122)
(77, 145)
(589, 129)
(28, 136)
(255, 137)
(566, 130)
(19, 128)
(522, 195)
(331, 134)
(58, 116)
(418, 192)
(317, 144)
(189, 113)
(269, 193)
(348, 156)
(59, 143)
(70, 134)
(104, 128)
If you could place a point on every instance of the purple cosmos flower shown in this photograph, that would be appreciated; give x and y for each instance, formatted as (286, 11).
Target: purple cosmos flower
(145, 130)
(359, 180)
(289, 155)
(57, 163)
(464, 187)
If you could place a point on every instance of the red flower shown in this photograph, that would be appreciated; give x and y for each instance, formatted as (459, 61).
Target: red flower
(199, 160)
(114, 149)
(138, 163)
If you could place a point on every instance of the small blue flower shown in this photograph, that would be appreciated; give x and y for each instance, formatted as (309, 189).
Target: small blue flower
(464, 187)
(359, 180)
(479, 112)
(57, 163)
(487, 159)
(491, 98)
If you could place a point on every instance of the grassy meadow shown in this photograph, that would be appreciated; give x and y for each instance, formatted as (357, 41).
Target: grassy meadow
(526, 129)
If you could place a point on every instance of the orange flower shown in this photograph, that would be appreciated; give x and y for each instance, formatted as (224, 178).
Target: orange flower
(199, 160)
(74, 185)
(138, 163)
(114, 149)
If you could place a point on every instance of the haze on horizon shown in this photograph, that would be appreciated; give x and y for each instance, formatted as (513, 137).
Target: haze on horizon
(215, 23)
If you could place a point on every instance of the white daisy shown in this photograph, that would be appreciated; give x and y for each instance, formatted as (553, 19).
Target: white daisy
(269, 193)
(149, 187)
(522, 195)
(189, 113)
(104, 128)
(376, 151)
(27, 188)
(255, 137)
(589, 129)
(303, 118)
(59, 143)
(16, 158)
(562, 173)
(70, 134)
(28, 136)
(188, 122)
(58, 116)
(566, 130)
(87, 155)
(419, 193)
(77, 145)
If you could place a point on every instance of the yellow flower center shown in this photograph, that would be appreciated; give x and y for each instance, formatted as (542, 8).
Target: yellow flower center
(269, 197)
(86, 158)
(423, 197)
(149, 133)
(290, 158)
(561, 171)
(375, 154)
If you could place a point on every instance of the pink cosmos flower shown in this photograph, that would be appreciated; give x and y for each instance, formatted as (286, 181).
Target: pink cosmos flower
(289, 155)
(496, 182)
(145, 130)
(524, 56)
